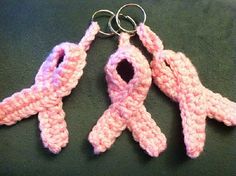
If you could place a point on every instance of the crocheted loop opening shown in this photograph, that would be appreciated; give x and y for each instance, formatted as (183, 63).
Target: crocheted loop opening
(126, 70)
(167, 65)
(60, 59)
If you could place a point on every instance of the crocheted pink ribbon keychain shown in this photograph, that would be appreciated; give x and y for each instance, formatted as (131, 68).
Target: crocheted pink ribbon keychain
(127, 109)
(175, 75)
(53, 82)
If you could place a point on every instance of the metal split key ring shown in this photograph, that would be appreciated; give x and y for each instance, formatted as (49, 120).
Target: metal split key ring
(118, 16)
(119, 12)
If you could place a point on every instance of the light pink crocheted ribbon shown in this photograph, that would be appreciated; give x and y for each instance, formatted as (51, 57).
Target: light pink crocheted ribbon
(127, 109)
(52, 83)
(177, 78)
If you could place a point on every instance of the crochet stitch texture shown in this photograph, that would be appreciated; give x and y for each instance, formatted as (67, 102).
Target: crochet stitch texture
(53, 81)
(127, 109)
(175, 75)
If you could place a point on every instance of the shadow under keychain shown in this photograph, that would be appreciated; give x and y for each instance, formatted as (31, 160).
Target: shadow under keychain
(176, 76)
(57, 76)
(127, 109)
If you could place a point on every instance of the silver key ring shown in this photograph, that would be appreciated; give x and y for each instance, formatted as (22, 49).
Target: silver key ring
(126, 17)
(119, 12)
(105, 12)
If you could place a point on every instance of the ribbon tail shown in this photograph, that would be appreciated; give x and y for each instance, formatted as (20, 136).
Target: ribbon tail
(221, 108)
(20, 105)
(108, 128)
(193, 113)
(53, 128)
(146, 132)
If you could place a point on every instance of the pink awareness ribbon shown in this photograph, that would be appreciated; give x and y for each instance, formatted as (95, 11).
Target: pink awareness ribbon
(175, 75)
(53, 81)
(127, 109)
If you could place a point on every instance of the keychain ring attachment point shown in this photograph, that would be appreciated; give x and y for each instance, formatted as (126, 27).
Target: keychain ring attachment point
(104, 11)
(119, 12)
(126, 17)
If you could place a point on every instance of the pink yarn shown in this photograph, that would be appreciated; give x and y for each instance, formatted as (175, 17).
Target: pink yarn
(177, 78)
(127, 109)
(52, 83)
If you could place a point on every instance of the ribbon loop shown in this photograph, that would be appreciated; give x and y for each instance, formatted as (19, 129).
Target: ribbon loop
(139, 85)
(55, 79)
(176, 76)
(179, 80)
(127, 109)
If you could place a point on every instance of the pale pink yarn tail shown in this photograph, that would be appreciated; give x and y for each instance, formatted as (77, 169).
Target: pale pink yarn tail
(127, 109)
(57, 76)
(53, 128)
(108, 128)
(146, 132)
(177, 78)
